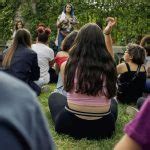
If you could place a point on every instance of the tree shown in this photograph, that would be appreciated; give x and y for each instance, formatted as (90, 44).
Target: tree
(132, 15)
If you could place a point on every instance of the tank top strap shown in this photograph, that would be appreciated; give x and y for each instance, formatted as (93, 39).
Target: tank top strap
(138, 68)
(144, 68)
(128, 67)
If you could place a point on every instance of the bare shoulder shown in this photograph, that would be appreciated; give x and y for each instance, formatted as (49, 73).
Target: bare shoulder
(121, 68)
(62, 70)
(61, 54)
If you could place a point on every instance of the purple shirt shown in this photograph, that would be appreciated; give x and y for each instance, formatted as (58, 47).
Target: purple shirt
(139, 128)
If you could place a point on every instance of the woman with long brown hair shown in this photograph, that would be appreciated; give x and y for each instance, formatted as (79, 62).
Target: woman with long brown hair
(89, 110)
(21, 62)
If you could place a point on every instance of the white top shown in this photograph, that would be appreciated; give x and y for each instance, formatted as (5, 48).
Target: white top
(45, 55)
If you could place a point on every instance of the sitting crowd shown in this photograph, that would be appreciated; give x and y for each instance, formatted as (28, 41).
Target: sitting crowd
(89, 89)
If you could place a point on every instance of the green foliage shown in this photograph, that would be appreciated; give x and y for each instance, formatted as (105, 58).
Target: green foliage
(132, 16)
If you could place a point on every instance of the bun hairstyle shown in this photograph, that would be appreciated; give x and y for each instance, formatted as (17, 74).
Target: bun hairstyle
(42, 29)
(43, 34)
(48, 31)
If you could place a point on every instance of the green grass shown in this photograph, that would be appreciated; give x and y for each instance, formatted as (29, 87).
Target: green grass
(65, 142)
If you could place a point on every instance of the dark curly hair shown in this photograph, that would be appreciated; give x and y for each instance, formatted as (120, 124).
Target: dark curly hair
(137, 52)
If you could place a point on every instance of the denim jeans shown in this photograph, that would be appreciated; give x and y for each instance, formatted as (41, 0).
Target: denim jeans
(60, 39)
(147, 86)
(60, 87)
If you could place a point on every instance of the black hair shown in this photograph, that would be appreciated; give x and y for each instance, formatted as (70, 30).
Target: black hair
(137, 53)
(68, 41)
(72, 9)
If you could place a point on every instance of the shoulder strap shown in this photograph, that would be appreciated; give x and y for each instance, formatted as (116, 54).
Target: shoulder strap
(144, 68)
(138, 69)
(137, 72)
(128, 67)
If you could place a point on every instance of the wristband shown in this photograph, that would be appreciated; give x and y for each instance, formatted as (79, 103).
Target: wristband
(107, 33)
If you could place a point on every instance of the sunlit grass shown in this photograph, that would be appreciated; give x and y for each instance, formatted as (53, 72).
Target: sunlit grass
(64, 142)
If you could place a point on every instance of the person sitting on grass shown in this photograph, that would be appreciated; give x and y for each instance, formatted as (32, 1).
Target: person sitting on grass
(22, 123)
(144, 43)
(132, 74)
(45, 55)
(61, 57)
(89, 75)
(21, 61)
(137, 132)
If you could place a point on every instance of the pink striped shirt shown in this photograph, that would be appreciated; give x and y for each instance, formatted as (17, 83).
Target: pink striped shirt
(86, 100)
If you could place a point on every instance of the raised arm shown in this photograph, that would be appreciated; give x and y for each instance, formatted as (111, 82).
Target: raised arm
(107, 33)
(62, 70)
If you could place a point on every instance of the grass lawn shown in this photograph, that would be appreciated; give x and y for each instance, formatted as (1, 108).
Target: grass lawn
(64, 142)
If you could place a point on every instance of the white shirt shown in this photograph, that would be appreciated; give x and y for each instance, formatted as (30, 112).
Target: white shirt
(45, 55)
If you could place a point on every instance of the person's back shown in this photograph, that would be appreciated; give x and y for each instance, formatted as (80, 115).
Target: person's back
(45, 55)
(22, 124)
(90, 82)
(131, 84)
(61, 57)
(21, 62)
(132, 74)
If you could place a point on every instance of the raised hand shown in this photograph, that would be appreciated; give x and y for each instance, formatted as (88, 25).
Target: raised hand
(111, 22)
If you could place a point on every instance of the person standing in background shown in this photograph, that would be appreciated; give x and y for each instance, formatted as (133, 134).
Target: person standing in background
(18, 25)
(65, 23)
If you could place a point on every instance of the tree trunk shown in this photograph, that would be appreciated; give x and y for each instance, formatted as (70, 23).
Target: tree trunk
(33, 4)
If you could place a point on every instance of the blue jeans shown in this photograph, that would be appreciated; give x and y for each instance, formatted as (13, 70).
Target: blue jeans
(60, 87)
(60, 39)
(147, 86)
